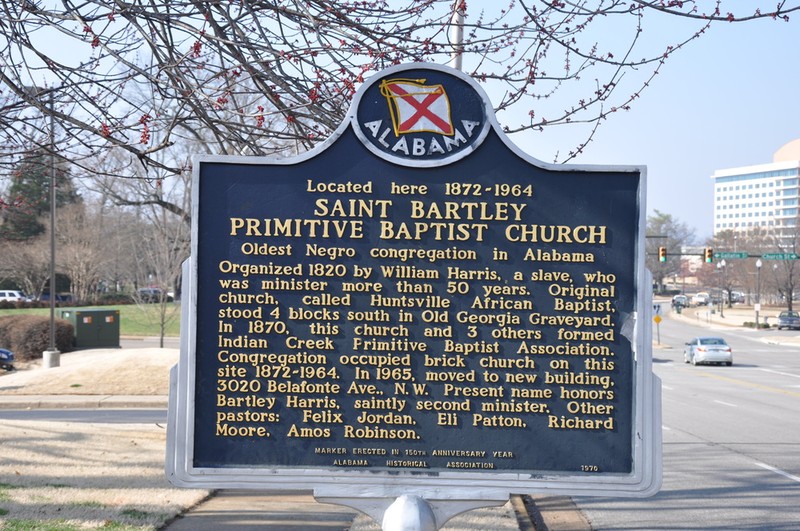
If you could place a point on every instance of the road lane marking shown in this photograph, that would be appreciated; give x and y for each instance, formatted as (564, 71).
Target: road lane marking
(725, 403)
(749, 384)
(781, 373)
(778, 471)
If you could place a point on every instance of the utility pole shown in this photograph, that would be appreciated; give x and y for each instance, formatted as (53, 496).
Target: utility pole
(457, 34)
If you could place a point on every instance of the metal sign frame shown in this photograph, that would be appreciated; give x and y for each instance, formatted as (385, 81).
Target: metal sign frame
(645, 437)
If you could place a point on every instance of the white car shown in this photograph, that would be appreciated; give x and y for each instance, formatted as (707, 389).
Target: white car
(708, 350)
(12, 296)
(701, 299)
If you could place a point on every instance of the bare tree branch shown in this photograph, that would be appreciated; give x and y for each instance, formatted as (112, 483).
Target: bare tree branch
(276, 77)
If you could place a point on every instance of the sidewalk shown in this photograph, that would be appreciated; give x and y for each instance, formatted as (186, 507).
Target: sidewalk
(289, 510)
(298, 510)
(734, 317)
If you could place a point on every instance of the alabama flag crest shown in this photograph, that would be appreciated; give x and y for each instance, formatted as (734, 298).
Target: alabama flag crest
(417, 108)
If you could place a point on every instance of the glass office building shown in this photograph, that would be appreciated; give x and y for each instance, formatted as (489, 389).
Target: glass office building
(765, 195)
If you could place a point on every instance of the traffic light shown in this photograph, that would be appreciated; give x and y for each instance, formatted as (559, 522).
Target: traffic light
(709, 255)
(662, 254)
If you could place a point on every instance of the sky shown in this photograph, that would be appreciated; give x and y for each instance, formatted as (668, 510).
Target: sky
(730, 99)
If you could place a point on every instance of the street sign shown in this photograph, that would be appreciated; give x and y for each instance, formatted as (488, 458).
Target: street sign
(779, 256)
(720, 256)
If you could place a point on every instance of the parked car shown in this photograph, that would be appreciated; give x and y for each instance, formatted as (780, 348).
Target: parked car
(60, 297)
(789, 319)
(737, 297)
(680, 301)
(6, 360)
(148, 295)
(708, 350)
(701, 299)
(12, 296)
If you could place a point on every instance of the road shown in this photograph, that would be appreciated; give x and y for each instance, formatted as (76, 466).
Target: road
(731, 440)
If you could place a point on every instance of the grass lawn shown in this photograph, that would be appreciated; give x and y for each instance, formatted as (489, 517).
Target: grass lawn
(135, 319)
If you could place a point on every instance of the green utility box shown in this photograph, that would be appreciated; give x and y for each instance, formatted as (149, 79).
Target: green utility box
(94, 328)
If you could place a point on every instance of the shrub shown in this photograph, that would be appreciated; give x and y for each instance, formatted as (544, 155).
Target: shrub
(27, 336)
(112, 299)
(20, 305)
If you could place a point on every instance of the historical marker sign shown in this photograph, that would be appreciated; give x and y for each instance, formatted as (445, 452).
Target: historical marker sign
(414, 306)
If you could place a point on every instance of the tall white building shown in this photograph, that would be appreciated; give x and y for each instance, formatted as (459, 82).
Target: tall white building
(765, 195)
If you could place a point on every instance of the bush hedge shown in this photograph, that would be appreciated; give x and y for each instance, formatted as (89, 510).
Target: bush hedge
(104, 299)
(113, 299)
(16, 305)
(751, 324)
(23, 305)
(27, 336)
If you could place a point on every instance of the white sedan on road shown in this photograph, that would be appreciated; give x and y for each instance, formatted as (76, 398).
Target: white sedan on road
(708, 350)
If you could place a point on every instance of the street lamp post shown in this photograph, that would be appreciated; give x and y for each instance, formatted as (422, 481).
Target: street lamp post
(51, 357)
(758, 289)
(457, 35)
(54, 354)
(721, 266)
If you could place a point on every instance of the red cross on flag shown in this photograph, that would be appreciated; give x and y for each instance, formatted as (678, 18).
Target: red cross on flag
(417, 108)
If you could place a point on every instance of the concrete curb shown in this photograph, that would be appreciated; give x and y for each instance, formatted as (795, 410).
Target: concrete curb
(81, 402)
(555, 513)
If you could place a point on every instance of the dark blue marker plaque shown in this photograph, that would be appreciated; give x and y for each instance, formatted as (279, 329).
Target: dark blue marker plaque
(416, 301)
